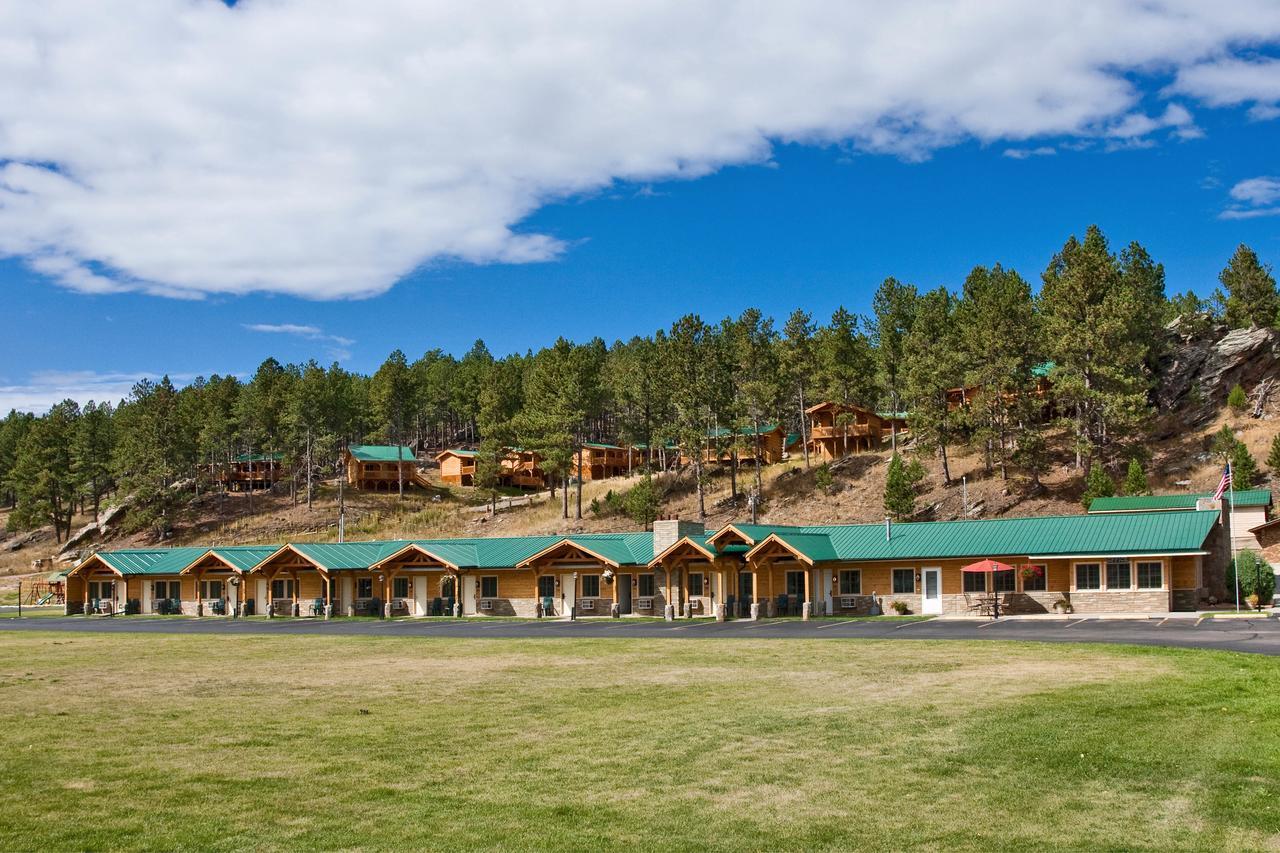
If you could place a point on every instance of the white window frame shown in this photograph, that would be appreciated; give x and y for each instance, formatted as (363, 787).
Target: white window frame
(1102, 571)
(1044, 567)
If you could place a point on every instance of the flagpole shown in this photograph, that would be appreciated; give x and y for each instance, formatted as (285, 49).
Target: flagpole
(1231, 522)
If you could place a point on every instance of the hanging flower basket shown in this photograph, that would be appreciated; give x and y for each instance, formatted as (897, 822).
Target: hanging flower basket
(1031, 573)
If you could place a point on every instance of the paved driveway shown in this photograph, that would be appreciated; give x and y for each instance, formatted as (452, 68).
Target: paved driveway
(1259, 635)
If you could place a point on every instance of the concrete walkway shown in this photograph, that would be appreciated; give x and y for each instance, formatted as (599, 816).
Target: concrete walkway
(1255, 634)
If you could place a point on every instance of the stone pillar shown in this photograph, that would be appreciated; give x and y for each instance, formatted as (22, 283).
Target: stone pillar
(457, 608)
(669, 613)
(755, 611)
(386, 609)
(351, 610)
(688, 610)
(805, 610)
(615, 611)
(720, 612)
(328, 612)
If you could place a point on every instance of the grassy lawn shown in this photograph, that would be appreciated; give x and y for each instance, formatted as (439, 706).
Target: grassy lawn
(230, 742)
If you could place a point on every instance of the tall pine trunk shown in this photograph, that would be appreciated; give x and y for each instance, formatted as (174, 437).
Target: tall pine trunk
(804, 426)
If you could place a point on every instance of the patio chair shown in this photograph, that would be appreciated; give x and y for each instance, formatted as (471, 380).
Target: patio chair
(548, 605)
(317, 607)
(448, 606)
(783, 605)
(218, 607)
(971, 604)
(437, 607)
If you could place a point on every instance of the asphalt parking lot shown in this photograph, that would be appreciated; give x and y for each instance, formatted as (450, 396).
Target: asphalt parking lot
(1258, 635)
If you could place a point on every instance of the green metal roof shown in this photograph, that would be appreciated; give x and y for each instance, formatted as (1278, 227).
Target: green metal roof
(259, 457)
(1120, 534)
(1184, 500)
(722, 432)
(894, 416)
(596, 445)
(461, 451)
(346, 555)
(151, 561)
(381, 453)
(1043, 369)
(244, 557)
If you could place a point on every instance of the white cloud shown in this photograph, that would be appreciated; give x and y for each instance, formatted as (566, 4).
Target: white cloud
(1230, 81)
(45, 388)
(1253, 198)
(1024, 153)
(325, 148)
(337, 347)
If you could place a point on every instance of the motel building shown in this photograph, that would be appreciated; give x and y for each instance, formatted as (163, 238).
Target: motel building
(1104, 562)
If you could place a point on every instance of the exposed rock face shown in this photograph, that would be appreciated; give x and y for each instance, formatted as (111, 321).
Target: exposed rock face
(1202, 369)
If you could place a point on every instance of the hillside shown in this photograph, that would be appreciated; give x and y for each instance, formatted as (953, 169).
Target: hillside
(1193, 390)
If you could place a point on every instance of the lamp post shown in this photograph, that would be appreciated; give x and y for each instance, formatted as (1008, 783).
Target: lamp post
(386, 605)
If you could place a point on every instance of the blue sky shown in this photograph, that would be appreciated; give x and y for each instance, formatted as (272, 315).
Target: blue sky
(810, 223)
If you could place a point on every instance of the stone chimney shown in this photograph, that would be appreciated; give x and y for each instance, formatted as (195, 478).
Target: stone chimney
(669, 531)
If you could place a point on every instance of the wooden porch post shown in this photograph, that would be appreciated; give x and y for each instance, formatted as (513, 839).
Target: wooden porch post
(328, 597)
(199, 600)
(84, 581)
(293, 573)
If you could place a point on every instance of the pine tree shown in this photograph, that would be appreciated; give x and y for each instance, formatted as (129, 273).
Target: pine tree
(893, 313)
(1244, 469)
(43, 475)
(1090, 315)
(1237, 400)
(932, 364)
(1135, 479)
(153, 452)
(997, 332)
(1273, 457)
(499, 404)
(393, 392)
(643, 502)
(1097, 485)
(756, 371)
(689, 346)
(92, 447)
(798, 365)
(899, 491)
(1251, 298)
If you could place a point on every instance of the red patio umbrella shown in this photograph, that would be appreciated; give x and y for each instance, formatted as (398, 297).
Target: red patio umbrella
(989, 565)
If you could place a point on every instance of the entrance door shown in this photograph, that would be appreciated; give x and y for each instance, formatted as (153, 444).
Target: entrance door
(931, 584)
(420, 596)
(827, 604)
(260, 606)
(568, 594)
(468, 594)
(547, 594)
(744, 593)
(624, 593)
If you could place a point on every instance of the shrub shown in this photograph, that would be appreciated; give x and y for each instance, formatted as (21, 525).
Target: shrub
(1256, 578)
(642, 502)
(901, 608)
(899, 491)
(1135, 479)
(1273, 457)
(1097, 485)
(825, 482)
(1236, 399)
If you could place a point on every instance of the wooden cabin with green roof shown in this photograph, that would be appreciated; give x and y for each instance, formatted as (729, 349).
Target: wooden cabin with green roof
(838, 429)
(251, 471)
(746, 444)
(457, 466)
(602, 461)
(1104, 562)
(381, 468)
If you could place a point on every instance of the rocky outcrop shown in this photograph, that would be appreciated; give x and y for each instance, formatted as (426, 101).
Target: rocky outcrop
(1201, 369)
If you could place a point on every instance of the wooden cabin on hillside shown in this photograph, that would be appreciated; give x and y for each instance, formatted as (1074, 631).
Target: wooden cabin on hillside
(251, 471)
(723, 442)
(838, 429)
(381, 468)
(958, 398)
(521, 469)
(602, 461)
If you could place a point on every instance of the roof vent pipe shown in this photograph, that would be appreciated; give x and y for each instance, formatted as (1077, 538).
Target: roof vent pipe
(888, 529)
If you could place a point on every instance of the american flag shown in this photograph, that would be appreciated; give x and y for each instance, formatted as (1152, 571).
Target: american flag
(1225, 484)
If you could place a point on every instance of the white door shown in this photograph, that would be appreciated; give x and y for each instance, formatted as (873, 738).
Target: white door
(568, 594)
(420, 596)
(122, 595)
(345, 595)
(260, 606)
(147, 587)
(468, 594)
(827, 604)
(931, 586)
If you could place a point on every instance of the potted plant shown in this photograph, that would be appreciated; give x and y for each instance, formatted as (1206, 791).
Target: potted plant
(901, 608)
(1062, 606)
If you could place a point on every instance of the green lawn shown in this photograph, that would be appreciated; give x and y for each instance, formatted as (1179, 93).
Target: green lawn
(229, 742)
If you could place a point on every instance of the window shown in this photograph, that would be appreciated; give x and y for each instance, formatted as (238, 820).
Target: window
(1150, 575)
(1034, 578)
(211, 589)
(975, 581)
(364, 587)
(282, 589)
(399, 587)
(489, 586)
(795, 584)
(645, 585)
(1004, 581)
(546, 586)
(1118, 574)
(100, 589)
(1088, 576)
(695, 583)
(167, 589)
(850, 582)
(904, 581)
(447, 586)
(590, 586)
